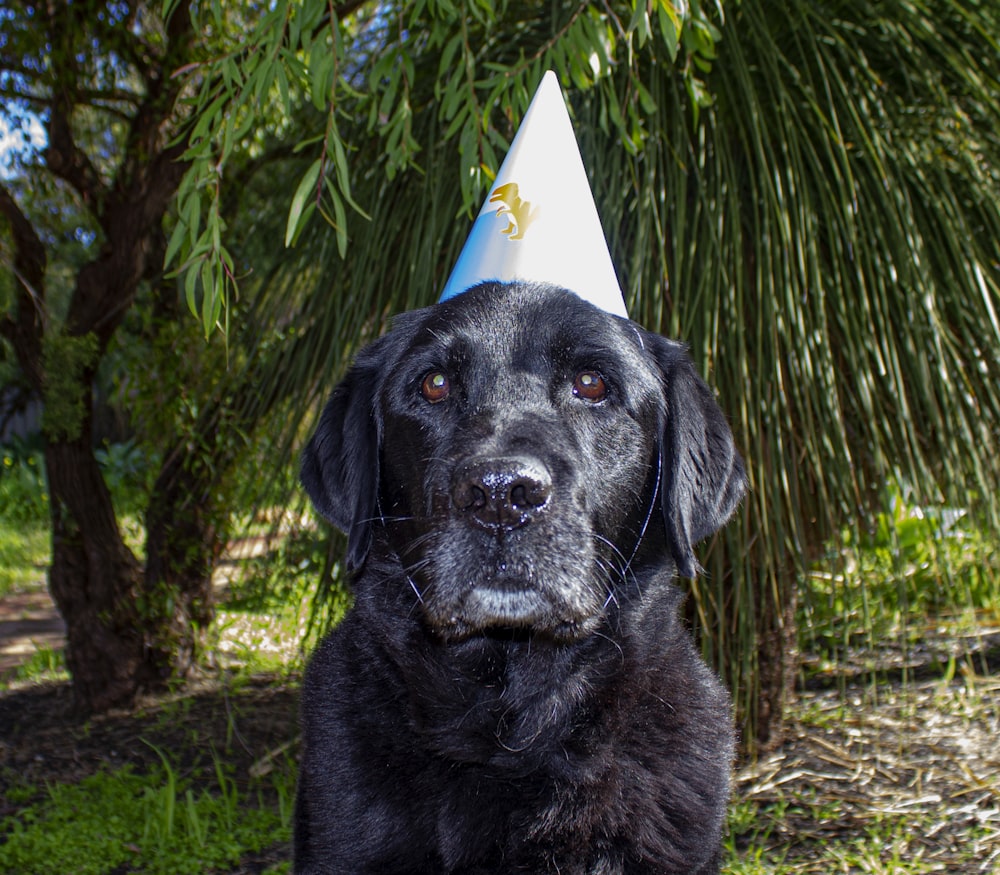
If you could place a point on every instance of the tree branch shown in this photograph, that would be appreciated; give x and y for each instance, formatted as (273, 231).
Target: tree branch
(69, 162)
(145, 181)
(342, 10)
(103, 99)
(24, 329)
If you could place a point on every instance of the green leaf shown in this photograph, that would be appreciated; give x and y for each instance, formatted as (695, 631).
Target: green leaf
(639, 24)
(191, 289)
(645, 98)
(340, 220)
(305, 190)
(209, 296)
(321, 70)
(282, 79)
(178, 237)
(670, 27)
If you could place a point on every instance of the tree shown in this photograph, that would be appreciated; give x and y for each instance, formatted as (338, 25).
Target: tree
(98, 75)
(815, 210)
(100, 79)
(773, 182)
(104, 79)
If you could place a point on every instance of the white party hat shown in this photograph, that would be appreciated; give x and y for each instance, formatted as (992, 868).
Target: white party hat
(539, 222)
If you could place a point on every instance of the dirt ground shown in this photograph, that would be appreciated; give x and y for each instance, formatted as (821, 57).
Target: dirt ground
(29, 622)
(914, 766)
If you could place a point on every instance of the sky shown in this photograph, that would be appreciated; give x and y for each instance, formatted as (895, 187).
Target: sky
(14, 142)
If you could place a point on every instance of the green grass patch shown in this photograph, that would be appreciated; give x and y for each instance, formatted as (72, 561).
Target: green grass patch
(24, 553)
(45, 664)
(24, 497)
(881, 845)
(286, 573)
(160, 823)
(24, 517)
(280, 601)
(916, 567)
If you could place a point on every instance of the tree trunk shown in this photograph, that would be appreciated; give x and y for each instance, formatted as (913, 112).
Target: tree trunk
(93, 579)
(777, 662)
(183, 542)
(129, 628)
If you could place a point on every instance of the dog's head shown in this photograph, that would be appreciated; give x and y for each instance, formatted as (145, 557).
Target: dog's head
(511, 447)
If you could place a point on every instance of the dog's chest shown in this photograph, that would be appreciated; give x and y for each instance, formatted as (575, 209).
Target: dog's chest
(492, 704)
(536, 797)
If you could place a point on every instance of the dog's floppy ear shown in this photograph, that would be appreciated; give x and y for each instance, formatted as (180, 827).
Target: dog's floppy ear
(703, 478)
(340, 464)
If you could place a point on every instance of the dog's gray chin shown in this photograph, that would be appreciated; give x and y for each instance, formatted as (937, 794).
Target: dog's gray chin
(489, 610)
(506, 606)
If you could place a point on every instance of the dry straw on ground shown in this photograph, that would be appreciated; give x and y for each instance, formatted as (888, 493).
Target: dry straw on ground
(891, 778)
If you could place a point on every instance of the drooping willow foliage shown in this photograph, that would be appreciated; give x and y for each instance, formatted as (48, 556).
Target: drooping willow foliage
(825, 235)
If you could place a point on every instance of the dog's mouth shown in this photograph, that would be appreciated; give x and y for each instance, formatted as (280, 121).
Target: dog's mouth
(505, 602)
(512, 606)
(459, 629)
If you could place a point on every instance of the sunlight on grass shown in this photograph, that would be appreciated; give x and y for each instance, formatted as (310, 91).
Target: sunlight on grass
(273, 607)
(24, 554)
(45, 664)
(922, 580)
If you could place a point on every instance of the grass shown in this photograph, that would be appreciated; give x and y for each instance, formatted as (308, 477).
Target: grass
(881, 778)
(165, 820)
(45, 664)
(272, 613)
(24, 496)
(883, 845)
(24, 513)
(160, 822)
(880, 596)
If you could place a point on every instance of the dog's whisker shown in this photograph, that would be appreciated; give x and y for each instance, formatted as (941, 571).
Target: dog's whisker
(392, 519)
(418, 566)
(614, 548)
(415, 588)
(610, 573)
(615, 566)
(417, 543)
(611, 640)
(650, 509)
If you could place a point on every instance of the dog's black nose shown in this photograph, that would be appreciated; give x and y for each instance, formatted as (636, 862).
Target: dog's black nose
(500, 493)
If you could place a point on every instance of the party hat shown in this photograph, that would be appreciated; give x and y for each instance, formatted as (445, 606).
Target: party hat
(539, 222)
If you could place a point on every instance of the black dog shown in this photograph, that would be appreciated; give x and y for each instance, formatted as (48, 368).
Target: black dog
(520, 475)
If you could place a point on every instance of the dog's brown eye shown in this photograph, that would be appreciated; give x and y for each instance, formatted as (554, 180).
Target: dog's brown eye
(590, 386)
(435, 387)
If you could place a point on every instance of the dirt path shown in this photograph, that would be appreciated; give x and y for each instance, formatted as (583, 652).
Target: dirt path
(29, 623)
